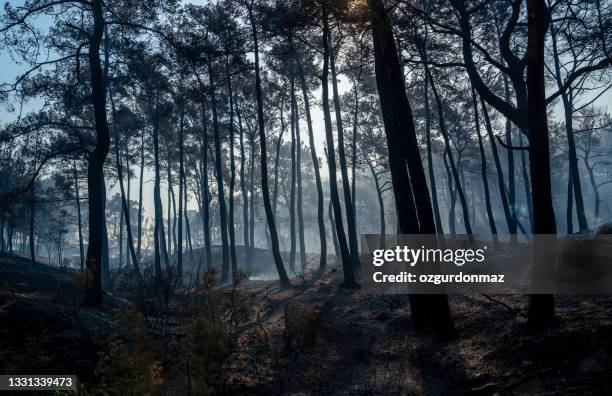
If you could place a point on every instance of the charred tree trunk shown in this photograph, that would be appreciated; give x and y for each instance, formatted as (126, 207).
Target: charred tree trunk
(379, 195)
(279, 143)
(430, 165)
(159, 241)
(252, 195)
(483, 170)
(205, 190)
(541, 306)
(232, 235)
(449, 152)
(95, 170)
(452, 193)
(428, 311)
(292, 180)
(346, 188)
(500, 173)
(315, 164)
(278, 260)
(171, 216)
(140, 188)
(347, 261)
(574, 174)
(79, 219)
(219, 175)
(298, 177)
(245, 195)
(526, 185)
(332, 222)
(182, 191)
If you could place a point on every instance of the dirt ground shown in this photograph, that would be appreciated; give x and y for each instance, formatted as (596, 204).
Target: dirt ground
(365, 345)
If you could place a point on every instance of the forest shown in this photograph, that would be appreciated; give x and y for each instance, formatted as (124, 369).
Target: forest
(184, 187)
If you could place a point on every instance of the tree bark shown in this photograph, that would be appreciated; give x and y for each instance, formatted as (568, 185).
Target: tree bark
(574, 174)
(292, 180)
(483, 170)
(430, 165)
(346, 188)
(428, 311)
(347, 260)
(500, 173)
(278, 260)
(79, 219)
(95, 170)
(381, 202)
(541, 306)
(205, 190)
(298, 176)
(332, 222)
(315, 165)
(232, 235)
(159, 241)
(245, 195)
(449, 152)
(182, 191)
(140, 188)
(219, 174)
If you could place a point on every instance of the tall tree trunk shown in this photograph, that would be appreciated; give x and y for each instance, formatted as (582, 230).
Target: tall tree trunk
(232, 235)
(346, 188)
(124, 202)
(278, 260)
(159, 242)
(449, 152)
(186, 214)
(427, 310)
(182, 191)
(500, 174)
(32, 224)
(526, 186)
(105, 250)
(541, 306)
(452, 193)
(245, 195)
(292, 181)
(298, 177)
(95, 170)
(483, 170)
(354, 157)
(279, 143)
(219, 175)
(79, 219)
(252, 195)
(332, 222)
(128, 196)
(430, 165)
(205, 189)
(140, 191)
(574, 174)
(379, 195)
(594, 184)
(171, 216)
(315, 165)
(347, 259)
(569, 212)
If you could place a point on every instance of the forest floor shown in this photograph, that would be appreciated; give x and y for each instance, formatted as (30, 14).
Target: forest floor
(366, 344)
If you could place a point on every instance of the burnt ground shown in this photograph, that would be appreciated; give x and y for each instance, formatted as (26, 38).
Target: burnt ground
(366, 343)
